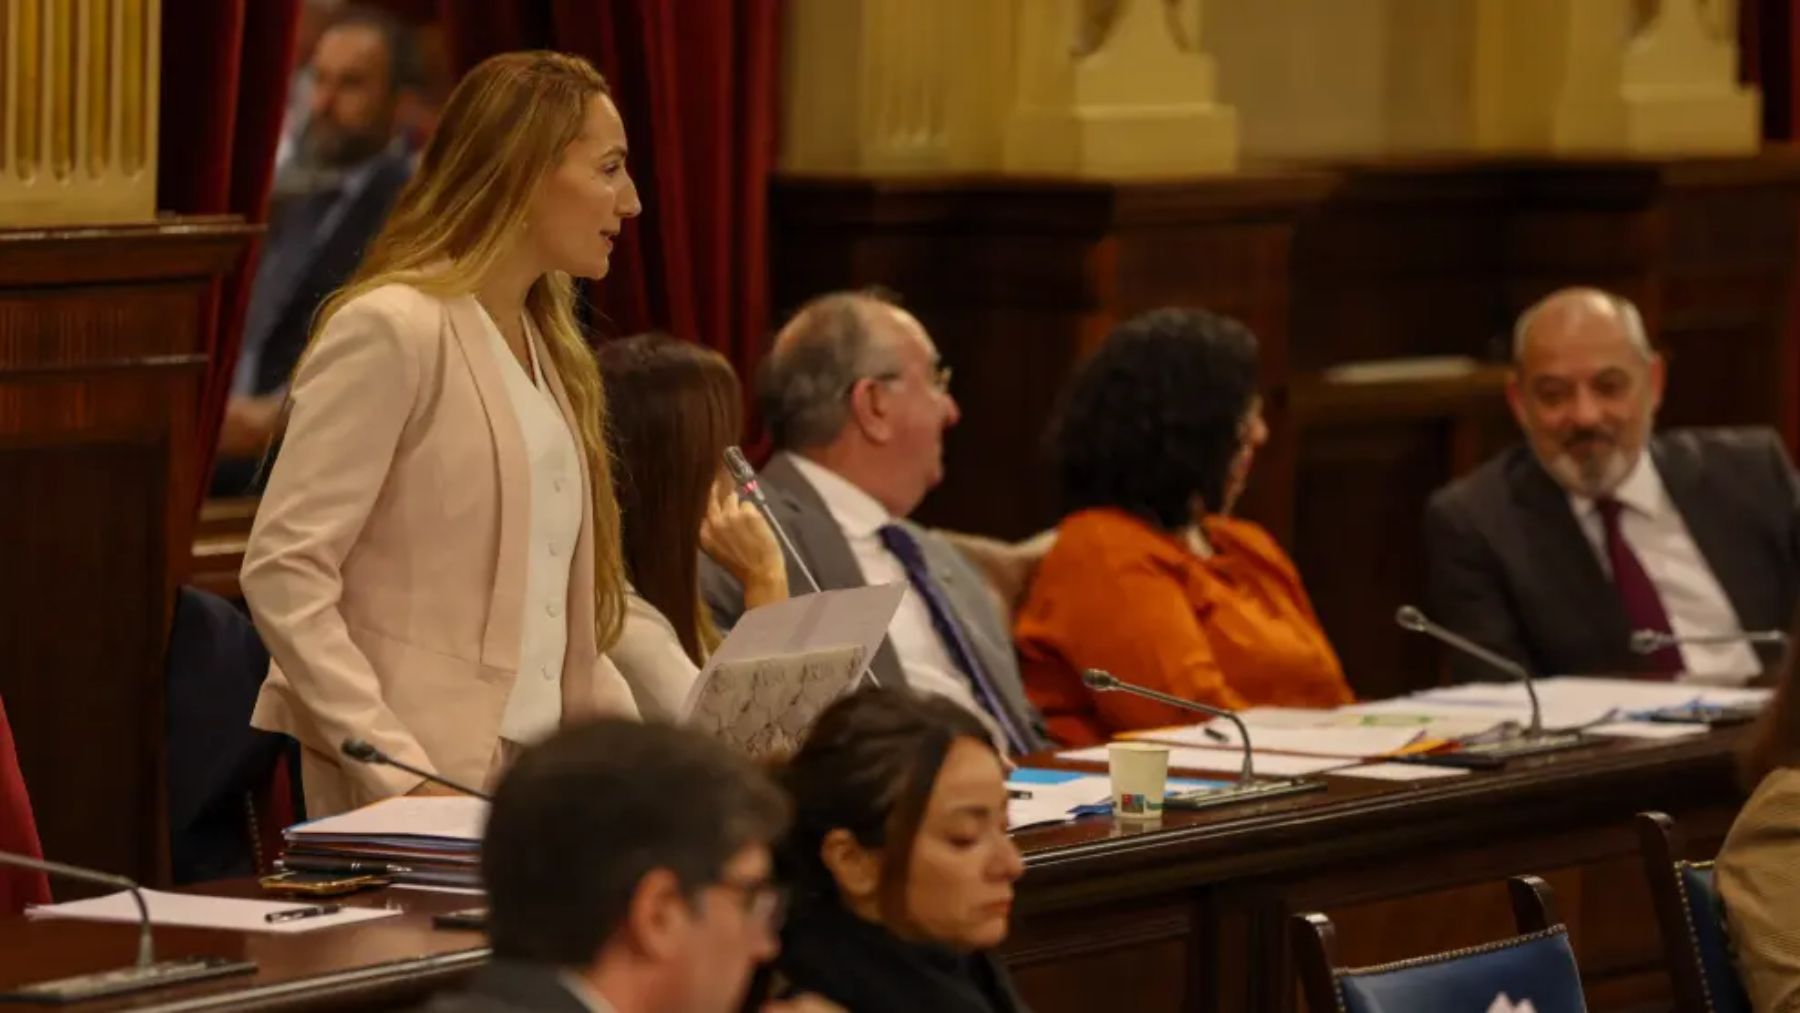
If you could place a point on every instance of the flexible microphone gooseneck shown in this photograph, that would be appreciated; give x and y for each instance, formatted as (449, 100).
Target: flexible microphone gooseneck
(744, 478)
(145, 972)
(361, 751)
(1106, 682)
(1412, 619)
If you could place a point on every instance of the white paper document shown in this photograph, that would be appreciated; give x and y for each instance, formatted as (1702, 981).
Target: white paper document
(785, 662)
(1052, 803)
(1350, 743)
(438, 818)
(1648, 730)
(199, 911)
(1571, 700)
(1401, 772)
(1225, 761)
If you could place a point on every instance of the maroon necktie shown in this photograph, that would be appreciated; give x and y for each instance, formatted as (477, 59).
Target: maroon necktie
(1643, 606)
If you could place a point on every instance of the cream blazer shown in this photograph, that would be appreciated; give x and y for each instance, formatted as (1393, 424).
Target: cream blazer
(1758, 872)
(386, 566)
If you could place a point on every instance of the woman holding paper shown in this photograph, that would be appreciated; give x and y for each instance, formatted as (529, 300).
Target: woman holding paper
(1758, 869)
(675, 407)
(1151, 577)
(435, 565)
(901, 868)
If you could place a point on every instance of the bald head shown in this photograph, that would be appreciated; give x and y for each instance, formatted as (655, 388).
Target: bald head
(1580, 310)
(1585, 387)
(853, 383)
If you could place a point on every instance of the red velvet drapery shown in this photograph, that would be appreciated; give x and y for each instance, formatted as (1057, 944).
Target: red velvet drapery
(225, 70)
(696, 83)
(18, 831)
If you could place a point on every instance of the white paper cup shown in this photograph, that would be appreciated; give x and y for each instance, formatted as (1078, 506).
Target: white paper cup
(1140, 776)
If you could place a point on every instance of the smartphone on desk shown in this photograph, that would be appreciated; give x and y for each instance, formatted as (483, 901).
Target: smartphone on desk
(319, 884)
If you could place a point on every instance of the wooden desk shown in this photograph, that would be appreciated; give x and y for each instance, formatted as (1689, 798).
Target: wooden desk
(1189, 916)
(383, 964)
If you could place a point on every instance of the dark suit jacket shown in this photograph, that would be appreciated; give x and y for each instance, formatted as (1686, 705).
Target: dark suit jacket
(330, 266)
(1511, 569)
(806, 519)
(508, 986)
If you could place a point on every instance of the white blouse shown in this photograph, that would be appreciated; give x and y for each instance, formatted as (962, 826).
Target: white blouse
(534, 709)
(656, 667)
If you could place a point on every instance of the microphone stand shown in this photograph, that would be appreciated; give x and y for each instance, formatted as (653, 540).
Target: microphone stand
(1247, 788)
(744, 477)
(1651, 641)
(361, 751)
(146, 972)
(1535, 738)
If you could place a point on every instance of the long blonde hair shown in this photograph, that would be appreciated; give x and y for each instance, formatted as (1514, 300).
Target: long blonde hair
(503, 129)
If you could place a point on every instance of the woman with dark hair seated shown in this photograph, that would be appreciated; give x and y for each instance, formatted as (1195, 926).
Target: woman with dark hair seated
(899, 859)
(1151, 578)
(673, 407)
(1758, 869)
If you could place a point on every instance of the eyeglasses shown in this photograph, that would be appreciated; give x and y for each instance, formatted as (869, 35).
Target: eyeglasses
(765, 902)
(940, 378)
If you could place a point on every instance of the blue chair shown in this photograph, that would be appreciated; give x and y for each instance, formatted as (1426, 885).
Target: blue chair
(1536, 965)
(1691, 919)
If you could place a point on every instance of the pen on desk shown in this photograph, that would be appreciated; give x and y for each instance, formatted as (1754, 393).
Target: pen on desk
(1214, 734)
(294, 914)
(1017, 793)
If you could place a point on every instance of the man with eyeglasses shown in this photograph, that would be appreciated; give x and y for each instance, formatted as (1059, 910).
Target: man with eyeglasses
(628, 870)
(857, 401)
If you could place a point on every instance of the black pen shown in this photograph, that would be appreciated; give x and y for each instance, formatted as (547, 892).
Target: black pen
(1017, 793)
(1214, 734)
(294, 914)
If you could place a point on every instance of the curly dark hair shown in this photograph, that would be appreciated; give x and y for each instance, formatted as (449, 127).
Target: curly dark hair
(1155, 416)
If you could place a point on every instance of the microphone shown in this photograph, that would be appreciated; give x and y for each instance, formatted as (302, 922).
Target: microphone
(1106, 682)
(744, 477)
(361, 751)
(145, 972)
(1651, 641)
(1535, 739)
(1412, 619)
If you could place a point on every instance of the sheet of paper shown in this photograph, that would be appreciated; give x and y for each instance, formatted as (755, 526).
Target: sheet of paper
(1057, 794)
(440, 818)
(1351, 743)
(467, 891)
(198, 911)
(1570, 699)
(1648, 730)
(1186, 758)
(1401, 772)
(794, 649)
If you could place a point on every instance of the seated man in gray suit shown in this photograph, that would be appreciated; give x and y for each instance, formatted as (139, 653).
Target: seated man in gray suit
(1557, 554)
(857, 402)
(628, 870)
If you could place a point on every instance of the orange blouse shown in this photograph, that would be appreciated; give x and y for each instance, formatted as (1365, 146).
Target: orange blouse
(1118, 594)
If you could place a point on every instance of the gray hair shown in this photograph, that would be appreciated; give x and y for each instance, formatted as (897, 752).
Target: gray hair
(1624, 308)
(827, 346)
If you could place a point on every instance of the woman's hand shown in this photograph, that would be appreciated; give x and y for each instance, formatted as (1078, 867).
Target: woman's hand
(738, 538)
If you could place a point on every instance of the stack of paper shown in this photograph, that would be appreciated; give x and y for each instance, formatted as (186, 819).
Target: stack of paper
(200, 911)
(433, 840)
(1350, 743)
(1227, 761)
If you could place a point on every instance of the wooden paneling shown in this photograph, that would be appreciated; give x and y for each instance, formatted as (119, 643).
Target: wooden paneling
(1331, 265)
(102, 340)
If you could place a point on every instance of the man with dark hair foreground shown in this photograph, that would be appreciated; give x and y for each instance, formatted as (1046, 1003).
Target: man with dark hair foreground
(628, 871)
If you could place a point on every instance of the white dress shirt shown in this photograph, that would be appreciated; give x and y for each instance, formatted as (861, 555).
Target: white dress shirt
(923, 657)
(534, 709)
(1691, 594)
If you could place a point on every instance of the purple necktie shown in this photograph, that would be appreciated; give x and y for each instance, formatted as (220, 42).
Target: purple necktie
(1643, 606)
(906, 548)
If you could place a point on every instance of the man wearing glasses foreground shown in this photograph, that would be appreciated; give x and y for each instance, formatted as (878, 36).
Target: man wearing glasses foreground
(857, 401)
(628, 871)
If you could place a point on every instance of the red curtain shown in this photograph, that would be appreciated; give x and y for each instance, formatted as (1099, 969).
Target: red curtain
(225, 71)
(18, 831)
(696, 83)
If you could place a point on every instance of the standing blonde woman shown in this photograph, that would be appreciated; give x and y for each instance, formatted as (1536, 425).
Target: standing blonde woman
(435, 565)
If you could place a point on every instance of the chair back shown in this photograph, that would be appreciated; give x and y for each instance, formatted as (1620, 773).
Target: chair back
(215, 670)
(1691, 919)
(1536, 966)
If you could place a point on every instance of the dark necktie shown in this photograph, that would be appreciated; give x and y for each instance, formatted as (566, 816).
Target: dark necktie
(1643, 606)
(949, 629)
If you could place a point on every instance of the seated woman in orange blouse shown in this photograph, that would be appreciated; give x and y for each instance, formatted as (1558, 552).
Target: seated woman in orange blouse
(1150, 578)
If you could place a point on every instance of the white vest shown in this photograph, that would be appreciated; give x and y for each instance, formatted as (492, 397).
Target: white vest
(534, 709)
